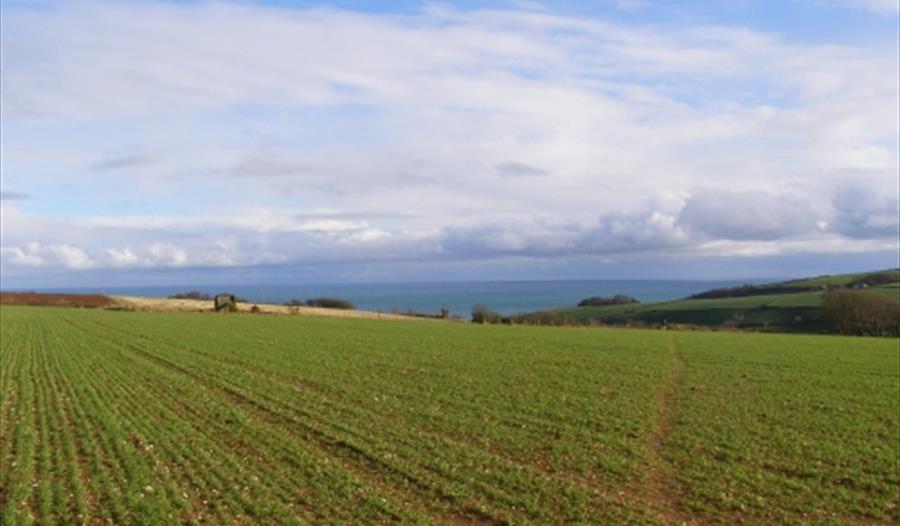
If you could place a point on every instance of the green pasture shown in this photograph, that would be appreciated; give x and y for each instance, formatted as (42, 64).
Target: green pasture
(840, 279)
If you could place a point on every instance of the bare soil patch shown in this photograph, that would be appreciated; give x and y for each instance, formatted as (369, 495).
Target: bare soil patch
(56, 300)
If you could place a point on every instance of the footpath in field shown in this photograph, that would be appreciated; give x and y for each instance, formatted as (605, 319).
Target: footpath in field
(136, 417)
(658, 490)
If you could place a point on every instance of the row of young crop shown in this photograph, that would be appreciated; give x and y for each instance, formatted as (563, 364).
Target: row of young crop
(130, 417)
(789, 429)
(177, 417)
(117, 421)
(280, 406)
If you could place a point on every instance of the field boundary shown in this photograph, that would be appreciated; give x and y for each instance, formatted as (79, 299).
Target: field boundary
(149, 304)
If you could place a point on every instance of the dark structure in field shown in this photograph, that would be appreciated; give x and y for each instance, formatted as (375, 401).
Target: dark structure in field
(225, 301)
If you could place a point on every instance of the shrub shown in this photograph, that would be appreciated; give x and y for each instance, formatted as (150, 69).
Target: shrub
(330, 303)
(415, 314)
(600, 301)
(861, 313)
(543, 317)
(254, 309)
(482, 314)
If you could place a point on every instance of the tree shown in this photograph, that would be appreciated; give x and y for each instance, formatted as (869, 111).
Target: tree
(482, 314)
(861, 313)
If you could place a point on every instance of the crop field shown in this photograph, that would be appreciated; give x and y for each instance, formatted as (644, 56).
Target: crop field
(156, 418)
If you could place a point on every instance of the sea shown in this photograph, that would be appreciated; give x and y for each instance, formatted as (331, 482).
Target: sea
(505, 297)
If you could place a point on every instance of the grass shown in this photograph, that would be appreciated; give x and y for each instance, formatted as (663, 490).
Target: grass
(152, 418)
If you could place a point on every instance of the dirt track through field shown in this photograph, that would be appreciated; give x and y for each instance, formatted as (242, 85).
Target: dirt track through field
(659, 489)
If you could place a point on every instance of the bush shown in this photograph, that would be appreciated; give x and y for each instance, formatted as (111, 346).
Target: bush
(861, 313)
(482, 314)
(443, 315)
(330, 303)
(543, 317)
(600, 301)
(254, 309)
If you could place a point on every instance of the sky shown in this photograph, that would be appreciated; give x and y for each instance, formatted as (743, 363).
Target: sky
(174, 142)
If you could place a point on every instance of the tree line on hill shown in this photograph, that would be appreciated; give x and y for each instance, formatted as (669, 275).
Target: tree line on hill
(746, 290)
(869, 280)
(600, 301)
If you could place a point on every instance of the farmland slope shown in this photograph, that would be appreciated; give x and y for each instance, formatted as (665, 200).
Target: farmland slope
(160, 418)
(790, 306)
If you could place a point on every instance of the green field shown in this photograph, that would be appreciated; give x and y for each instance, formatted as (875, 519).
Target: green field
(789, 312)
(789, 306)
(152, 418)
(795, 312)
(891, 290)
(841, 279)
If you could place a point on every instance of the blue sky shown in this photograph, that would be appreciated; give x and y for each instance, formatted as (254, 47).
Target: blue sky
(148, 142)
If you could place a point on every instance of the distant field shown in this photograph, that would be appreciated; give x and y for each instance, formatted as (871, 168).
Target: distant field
(795, 312)
(161, 418)
(789, 306)
(56, 300)
(892, 290)
(799, 311)
(841, 279)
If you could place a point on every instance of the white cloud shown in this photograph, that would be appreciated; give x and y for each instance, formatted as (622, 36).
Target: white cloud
(754, 215)
(867, 212)
(217, 134)
(35, 254)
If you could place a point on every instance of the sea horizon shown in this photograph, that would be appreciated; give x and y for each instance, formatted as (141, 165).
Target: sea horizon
(504, 296)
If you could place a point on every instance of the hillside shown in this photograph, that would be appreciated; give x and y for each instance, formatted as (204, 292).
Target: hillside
(791, 306)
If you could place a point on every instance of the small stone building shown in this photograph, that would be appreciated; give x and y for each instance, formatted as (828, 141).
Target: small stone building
(225, 301)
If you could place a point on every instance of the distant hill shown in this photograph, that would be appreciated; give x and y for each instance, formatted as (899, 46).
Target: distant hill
(789, 306)
(864, 280)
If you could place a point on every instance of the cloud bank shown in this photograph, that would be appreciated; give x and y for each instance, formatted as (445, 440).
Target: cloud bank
(220, 135)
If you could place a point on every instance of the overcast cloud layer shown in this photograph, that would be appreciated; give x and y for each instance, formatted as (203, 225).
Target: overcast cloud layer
(147, 135)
